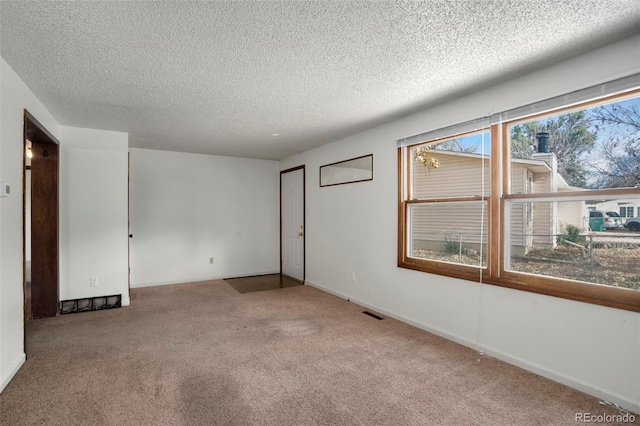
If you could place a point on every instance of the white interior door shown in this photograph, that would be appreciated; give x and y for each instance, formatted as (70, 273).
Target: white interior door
(292, 223)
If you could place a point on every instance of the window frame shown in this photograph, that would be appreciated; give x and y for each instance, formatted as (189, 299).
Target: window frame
(498, 200)
(627, 209)
(459, 270)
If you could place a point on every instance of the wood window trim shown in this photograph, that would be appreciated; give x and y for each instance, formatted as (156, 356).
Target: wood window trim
(447, 269)
(574, 195)
(597, 294)
(472, 273)
(495, 273)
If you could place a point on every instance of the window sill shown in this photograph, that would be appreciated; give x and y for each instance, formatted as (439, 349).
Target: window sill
(612, 297)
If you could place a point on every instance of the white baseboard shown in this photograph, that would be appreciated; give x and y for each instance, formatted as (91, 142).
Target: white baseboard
(12, 371)
(194, 280)
(626, 404)
(629, 405)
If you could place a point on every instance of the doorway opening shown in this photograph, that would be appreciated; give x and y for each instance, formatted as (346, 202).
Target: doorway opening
(40, 220)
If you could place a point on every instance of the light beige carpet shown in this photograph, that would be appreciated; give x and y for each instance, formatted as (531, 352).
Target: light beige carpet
(203, 354)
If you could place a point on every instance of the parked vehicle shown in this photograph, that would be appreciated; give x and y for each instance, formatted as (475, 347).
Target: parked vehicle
(610, 220)
(616, 215)
(633, 224)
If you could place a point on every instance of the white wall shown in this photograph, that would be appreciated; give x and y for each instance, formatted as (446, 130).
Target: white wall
(93, 213)
(354, 228)
(187, 208)
(15, 96)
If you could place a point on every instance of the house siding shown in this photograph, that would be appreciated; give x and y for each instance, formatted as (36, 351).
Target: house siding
(572, 213)
(456, 177)
(544, 213)
(434, 223)
(461, 176)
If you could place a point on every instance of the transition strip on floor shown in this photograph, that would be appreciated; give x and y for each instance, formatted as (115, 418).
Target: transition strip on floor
(261, 283)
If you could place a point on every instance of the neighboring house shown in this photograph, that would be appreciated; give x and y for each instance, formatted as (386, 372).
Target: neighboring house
(532, 225)
(625, 208)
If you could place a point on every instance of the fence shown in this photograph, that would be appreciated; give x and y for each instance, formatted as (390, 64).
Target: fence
(457, 247)
(598, 258)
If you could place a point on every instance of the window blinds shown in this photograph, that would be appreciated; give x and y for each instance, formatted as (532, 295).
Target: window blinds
(591, 93)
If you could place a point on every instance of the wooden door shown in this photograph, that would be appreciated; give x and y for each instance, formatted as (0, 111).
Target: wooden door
(44, 229)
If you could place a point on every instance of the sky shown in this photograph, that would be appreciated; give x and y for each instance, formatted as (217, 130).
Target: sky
(604, 133)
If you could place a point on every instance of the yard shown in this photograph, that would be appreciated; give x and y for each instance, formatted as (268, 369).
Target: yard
(608, 258)
(619, 267)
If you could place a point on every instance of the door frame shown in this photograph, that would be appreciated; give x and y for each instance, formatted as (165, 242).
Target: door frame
(34, 131)
(304, 218)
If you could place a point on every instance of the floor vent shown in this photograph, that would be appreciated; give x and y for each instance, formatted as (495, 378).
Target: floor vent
(378, 317)
(90, 304)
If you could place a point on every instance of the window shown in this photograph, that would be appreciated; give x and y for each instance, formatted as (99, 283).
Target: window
(447, 203)
(626, 211)
(529, 200)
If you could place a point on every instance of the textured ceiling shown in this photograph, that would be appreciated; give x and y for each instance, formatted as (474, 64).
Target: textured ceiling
(224, 77)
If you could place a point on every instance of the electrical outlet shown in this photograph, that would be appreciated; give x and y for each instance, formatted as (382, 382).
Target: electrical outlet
(5, 189)
(353, 276)
(93, 282)
(211, 260)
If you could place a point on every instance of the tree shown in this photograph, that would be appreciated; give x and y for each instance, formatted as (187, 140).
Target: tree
(620, 153)
(570, 138)
(456, 145)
